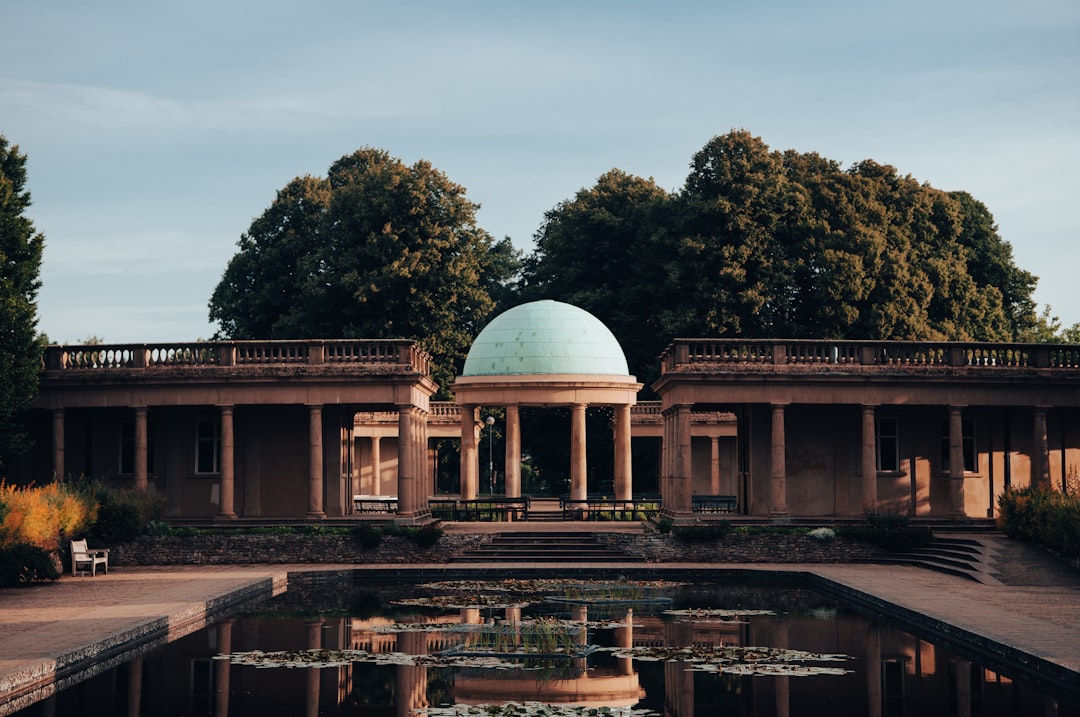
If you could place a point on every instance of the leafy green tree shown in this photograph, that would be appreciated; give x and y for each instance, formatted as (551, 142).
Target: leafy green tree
(20, 267)
(761, 244)
(377, 249)
(603, 251)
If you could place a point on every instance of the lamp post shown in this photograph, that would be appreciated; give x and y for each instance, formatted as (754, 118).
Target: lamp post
(490, 421)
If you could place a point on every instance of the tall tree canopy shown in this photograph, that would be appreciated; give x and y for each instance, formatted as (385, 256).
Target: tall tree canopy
(760, 244)
(377, 249)
(20, 267)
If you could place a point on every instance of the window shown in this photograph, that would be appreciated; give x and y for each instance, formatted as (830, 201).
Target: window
(208, 447)
(888, 445)
(970, 462)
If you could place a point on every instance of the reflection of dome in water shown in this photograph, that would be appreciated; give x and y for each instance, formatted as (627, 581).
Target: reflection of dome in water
(545, 338)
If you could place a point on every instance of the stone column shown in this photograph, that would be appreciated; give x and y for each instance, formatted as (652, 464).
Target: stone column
(226, 508)
(714, 465)
(141, 477)
(778, 469)
(470, 465)
(869, 459)
(578, 463)
(956, 463)
(407, 471)
(624, 489)
(58, 442)
(684, 468)
(315, 463)
(376, 465)
(1040, 458)
(512, 469)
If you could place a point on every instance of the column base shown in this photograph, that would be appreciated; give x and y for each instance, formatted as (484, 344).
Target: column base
(315, 516)
(226, 516)
(782, 518)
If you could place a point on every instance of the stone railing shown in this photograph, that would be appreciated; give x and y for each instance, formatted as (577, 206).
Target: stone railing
(359, 352)
(687, 354)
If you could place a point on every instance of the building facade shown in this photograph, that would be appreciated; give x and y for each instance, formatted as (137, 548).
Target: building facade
(295, 430)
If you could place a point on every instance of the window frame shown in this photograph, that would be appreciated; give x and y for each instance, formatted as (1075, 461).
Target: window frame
(881, 437)
(208, 437)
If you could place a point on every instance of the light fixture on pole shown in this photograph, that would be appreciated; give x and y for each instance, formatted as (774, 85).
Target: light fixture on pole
(490, 421)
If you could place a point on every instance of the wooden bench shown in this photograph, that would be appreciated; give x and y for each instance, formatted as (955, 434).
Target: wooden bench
(87, 558)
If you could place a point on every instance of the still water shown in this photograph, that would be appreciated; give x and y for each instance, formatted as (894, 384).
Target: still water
(548, 647)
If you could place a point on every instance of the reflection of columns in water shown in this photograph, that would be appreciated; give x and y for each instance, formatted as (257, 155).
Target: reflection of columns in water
(624, 638)
(963, 688)
(134, 703)
(678, 680)
(314, 642)
(782, 683)
(872, 648)
(411, 681)
(580, 615)
(223, 668)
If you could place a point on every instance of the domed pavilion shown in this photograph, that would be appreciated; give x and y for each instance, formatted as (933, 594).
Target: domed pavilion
(545, 353)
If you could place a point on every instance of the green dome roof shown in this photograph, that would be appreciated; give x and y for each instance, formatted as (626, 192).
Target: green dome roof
(545, 337)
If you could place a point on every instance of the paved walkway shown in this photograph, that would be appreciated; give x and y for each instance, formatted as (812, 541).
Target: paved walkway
(47, 632)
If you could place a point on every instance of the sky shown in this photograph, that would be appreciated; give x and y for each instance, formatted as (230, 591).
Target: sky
(155, 132)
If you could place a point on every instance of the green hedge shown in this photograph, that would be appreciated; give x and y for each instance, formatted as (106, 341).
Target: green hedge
(1041, 515)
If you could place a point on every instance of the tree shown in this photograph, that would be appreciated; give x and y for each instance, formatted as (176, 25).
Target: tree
(763, 244)
(377, 249)
(20, 267)
(602, 251)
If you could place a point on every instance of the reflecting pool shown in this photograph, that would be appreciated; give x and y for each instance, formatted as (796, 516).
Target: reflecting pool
(550, 647)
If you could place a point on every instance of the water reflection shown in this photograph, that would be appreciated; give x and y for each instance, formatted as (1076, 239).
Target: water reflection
(468, 648)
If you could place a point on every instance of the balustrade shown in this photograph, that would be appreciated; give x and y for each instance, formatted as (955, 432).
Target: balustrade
(398, 353)
(693, 355)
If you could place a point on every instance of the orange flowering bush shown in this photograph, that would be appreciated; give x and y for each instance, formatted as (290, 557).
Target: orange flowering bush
(42, 515)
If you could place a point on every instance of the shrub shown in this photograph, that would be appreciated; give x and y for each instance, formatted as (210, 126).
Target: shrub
(123, 513)
(701, 533)
(369, 536)
(22, 564)
(890, 531)
(1041, 515)
(42, 516)
(424, 537)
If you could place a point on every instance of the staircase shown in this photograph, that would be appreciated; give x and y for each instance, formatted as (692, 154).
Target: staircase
(962, 557)
(545, 547)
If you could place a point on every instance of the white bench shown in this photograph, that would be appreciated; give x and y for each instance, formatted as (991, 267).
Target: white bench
(83, 557)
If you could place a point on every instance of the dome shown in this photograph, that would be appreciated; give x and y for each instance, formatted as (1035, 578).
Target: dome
(545, 337)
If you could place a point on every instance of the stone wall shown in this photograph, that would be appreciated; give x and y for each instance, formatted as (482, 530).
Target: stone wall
(224, 549)
(242, 549)
(741, 548)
